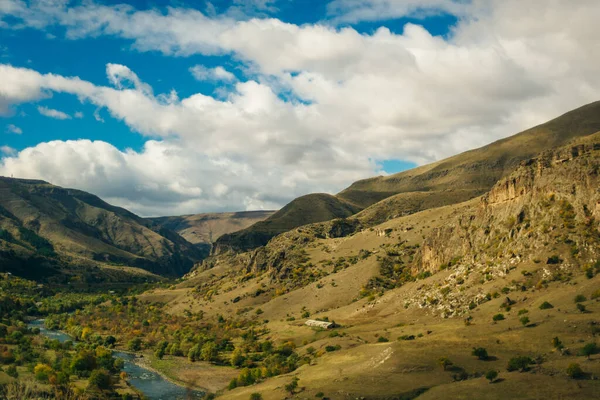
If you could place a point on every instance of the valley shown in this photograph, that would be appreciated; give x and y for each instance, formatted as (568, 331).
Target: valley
(441, 284)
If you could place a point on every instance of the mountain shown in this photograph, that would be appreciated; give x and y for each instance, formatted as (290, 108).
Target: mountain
(515, 272)
(449, 181)
(301, 211)
(46, 230)
(203, 229)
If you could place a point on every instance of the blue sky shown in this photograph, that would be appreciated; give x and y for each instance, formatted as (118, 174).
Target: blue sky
(48, 51)
(172, 106)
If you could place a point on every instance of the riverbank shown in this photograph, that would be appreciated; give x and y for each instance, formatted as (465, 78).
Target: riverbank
(144, 361)
(202, 375)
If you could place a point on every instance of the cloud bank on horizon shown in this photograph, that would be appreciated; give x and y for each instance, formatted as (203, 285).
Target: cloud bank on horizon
(295, 107)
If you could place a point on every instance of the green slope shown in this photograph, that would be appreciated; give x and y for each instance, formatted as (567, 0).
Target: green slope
(304, 210)
(74, 232)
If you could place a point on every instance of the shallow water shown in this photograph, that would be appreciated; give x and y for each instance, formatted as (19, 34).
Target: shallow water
(151, 384)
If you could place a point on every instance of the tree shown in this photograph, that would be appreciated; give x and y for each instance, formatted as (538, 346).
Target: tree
(445, 362)
(256, 396)
(574, 371)
(524, 320)
(545, 305)
(491, 375)
(480, 352)
(498, 317)
(100, 378)
(209, 351)
(580, 298)
(135, 344)
(42, 372)
(557, 344)
(12, 371)
(291, 387)
(520, 363)
(237, 358)
(581, 307)
(589, 349)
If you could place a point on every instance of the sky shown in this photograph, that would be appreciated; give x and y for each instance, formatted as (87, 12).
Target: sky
(171, 107)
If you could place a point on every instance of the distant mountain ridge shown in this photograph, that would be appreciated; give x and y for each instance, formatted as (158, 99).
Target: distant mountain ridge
(449, 181)
(204, 229)
(47, 230)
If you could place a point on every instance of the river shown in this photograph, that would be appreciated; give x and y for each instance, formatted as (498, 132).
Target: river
(151, 384)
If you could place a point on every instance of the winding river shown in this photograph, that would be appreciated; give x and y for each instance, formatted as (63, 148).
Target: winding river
(151, 384)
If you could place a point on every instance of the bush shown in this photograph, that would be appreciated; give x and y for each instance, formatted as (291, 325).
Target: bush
(12, 371)
(100, 378)
(545, 306)
(134, 344)
(291, 387)
(330, 348)
(580, 298)
(491, 375)
(498, 317)
(554, 260)
(524, 320)
(520, 363)
(480, 352)
(574, 371)
(382, 339)
(256, 396)
(445, 362)
(581, 307)
(42, 372)
(556, 343)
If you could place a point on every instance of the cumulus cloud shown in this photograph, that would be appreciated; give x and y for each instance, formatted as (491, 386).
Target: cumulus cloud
(202, 73)
(325, 103)
(52, 113)
(78, 115)
(10, 128)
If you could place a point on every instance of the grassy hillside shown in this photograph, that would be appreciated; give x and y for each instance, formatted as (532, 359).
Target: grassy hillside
(478, 170)
(449, 181)
(301, 211)
(48, 230)
(515, 272)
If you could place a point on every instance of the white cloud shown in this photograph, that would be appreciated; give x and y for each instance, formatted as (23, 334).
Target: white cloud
(7, 150)
(202, 73)
(355, 98)
(10, 128)
(374, 10)
(52, 113)
(78, 115)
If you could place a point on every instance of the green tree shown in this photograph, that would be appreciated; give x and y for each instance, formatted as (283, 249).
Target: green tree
(545, 305)
(209, 351)
(480, 352)
(520, 363)
(580, 298)
(574, 371)
(491, 375)
(556, 343)
(12, 371)
(135, 344)
(589, 349)
(581, 307)
(524, 320)
(237, 358)
(100, 378)
(291, 387)
(498, 317)
(256, 396)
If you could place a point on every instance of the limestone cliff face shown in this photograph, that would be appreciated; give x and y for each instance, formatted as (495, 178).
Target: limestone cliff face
(555, 192)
